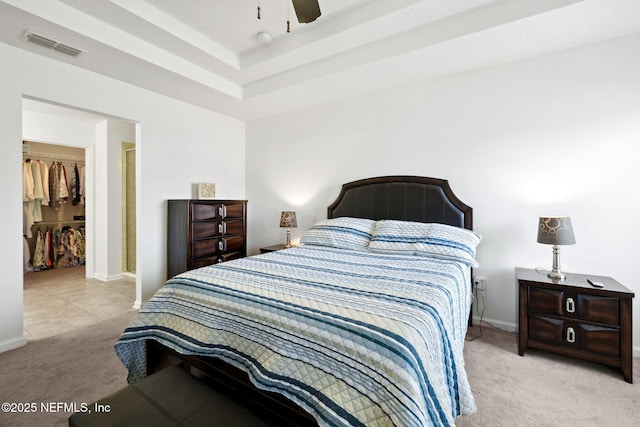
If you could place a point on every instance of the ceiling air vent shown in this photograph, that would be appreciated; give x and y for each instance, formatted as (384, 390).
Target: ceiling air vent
(52, 44)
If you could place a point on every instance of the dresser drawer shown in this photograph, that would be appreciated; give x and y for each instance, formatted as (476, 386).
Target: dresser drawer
(207, 211)
(211, 247)
(216, 259)
(202, 230)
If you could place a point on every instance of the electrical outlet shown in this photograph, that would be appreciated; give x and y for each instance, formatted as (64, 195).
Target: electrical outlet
(479, 283)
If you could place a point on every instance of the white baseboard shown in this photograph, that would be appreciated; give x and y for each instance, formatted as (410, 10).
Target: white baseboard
(108, 278)
(11, 344)
(511, 327)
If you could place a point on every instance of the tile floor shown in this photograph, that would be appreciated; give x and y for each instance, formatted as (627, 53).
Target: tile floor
(63, 299)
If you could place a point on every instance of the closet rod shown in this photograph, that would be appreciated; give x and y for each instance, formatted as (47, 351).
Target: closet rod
(54, 156)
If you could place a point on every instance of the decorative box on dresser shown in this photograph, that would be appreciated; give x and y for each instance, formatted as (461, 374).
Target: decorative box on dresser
(573, 318)
(205, 232)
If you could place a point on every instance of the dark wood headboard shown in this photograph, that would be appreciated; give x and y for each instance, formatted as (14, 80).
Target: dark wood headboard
(405, 198)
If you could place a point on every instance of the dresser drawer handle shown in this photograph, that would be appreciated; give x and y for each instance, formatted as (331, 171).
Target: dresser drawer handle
(222, 227)
(222, 245)
(222, 211)
(571, 335)
(570, 305)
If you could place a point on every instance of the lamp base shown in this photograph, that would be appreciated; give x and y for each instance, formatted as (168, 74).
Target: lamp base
(288, 244)
(555, 273)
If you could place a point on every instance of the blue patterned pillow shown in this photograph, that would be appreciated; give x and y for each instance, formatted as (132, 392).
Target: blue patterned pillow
(344, 233)
(426, 239)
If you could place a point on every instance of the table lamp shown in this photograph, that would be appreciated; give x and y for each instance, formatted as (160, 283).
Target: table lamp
(556, 231)
(288, 220)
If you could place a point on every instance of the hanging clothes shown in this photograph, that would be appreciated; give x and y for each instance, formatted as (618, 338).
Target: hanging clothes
(44, 174)
(83, 192)
(26, 255)
(75, 185)
(48, 248)
(38, 252)
(27, 199)
(64, 186)
(54, 187)
(38, 192)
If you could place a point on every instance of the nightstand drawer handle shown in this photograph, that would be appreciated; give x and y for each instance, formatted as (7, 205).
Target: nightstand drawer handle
(222, 245)
(571, 335)
(222, 211)
(570, 305)
(222, 227)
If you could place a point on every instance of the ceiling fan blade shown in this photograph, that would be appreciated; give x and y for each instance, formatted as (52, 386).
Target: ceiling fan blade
(306, 10)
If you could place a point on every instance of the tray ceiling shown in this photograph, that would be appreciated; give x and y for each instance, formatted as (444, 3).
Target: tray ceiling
(206, 52)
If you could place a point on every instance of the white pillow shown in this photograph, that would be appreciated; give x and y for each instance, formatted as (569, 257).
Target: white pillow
(344, 233)
(425, 239)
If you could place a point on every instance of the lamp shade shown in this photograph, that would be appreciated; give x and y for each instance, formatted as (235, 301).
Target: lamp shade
(288, 219)
(555, 230)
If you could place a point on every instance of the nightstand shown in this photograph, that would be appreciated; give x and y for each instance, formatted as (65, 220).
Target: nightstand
(272, 248)
(573, 318)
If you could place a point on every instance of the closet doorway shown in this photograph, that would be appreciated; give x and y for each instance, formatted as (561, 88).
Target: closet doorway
(54, 206)
(66, 298)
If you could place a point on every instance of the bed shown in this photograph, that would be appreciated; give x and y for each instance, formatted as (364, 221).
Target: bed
(363, 324)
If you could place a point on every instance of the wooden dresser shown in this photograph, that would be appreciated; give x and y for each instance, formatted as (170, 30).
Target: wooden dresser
(205, 232)
(573, 318)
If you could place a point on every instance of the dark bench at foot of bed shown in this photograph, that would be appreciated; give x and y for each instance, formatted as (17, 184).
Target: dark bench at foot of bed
(170, 397)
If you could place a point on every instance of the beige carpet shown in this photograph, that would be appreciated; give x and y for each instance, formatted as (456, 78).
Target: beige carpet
(73, 367)
(544, 389)
(539, 389)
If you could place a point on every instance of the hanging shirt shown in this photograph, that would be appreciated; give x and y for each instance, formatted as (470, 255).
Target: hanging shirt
(54, 187)
(27, 182)
(27, 199)
(38, 193)
(44, 174)
(64, 188)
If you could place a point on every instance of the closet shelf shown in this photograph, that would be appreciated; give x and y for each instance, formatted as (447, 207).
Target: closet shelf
(53, 156)
(72, 221)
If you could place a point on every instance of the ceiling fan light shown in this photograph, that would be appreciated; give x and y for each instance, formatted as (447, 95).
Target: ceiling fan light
(264, 37)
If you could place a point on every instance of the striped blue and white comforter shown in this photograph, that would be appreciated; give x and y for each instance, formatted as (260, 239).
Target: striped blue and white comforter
(353, 337)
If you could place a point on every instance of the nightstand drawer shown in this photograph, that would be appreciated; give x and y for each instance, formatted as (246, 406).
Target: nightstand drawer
(599, 339)
(602, 309)
(547, 329)
(581, 336)
(546, 301)
(569, 303)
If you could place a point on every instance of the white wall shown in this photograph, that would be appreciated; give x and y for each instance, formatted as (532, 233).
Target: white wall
(177, 145)
(106, 239)
(557, 134)
(46, 128)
